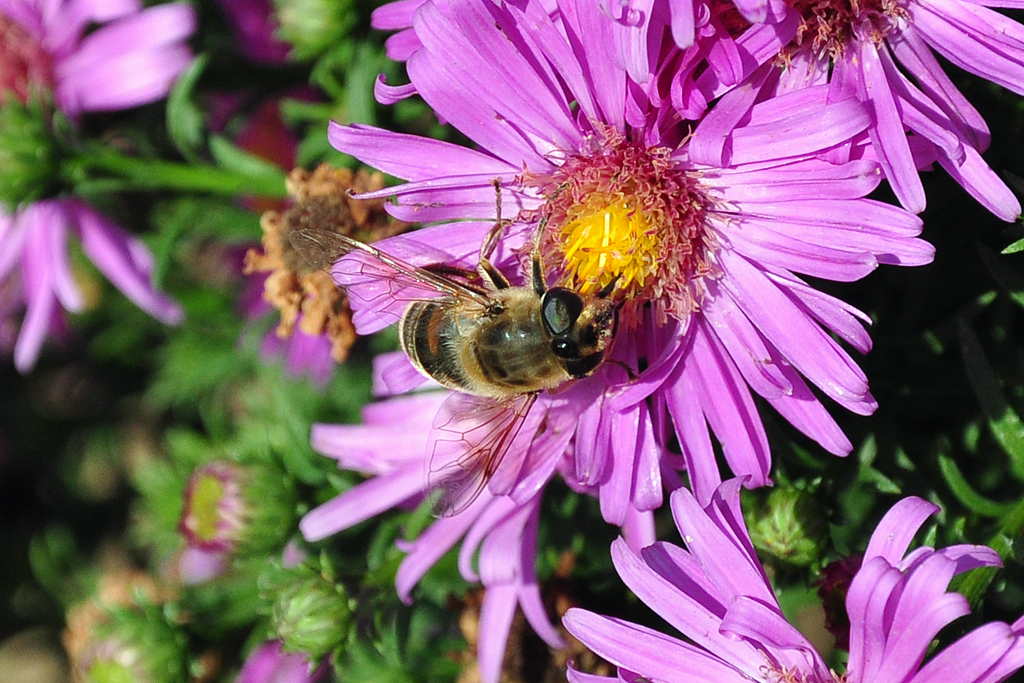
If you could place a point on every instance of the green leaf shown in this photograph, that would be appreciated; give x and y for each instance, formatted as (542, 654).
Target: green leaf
(868, 474)
(360, 105)
(233, 158)
(186, 123)
(1003, 421)
(1014, 247)
(59, 566)
(203, 218)
(973, 584)
(965, 493)
(1009, 280)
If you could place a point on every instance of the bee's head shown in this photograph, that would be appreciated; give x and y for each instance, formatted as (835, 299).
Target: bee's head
(579, 331)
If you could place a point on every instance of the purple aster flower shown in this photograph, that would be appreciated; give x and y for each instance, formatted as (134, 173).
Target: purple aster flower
(397, 16)
(704, 259)
(693, 51)
(715, 592)
(880, 52)
(269, 663)
(704, 256)
(132, 58)
(498, 533)
(34, 241)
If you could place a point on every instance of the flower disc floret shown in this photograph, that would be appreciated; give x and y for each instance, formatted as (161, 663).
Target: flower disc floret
(830, 24)
(215, 510)
(24, 65)
(624, 213)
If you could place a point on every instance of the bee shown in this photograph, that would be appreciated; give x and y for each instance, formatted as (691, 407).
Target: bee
(497, 344)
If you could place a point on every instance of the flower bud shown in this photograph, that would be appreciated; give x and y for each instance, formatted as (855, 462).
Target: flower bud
(313, 26)
(788, 526)
(239, 509)
(310, 611)
(137, 645)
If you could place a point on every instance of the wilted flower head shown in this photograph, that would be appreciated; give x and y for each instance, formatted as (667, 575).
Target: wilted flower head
(121, 633)
(308, 299)
(716, 594)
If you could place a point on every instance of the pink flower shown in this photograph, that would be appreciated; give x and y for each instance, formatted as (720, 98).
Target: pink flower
(704, 257)
(34, 242)
(715, 592)
(130, 59)
(390, 445)
(269, 663)
(706, 254)
(879, 51)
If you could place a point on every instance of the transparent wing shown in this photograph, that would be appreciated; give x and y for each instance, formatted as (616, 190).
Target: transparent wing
(322, 249)
(470, 437)
(380, 286)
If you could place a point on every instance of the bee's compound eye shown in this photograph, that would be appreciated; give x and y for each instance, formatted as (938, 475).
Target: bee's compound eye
(560, 308)
(564, 348)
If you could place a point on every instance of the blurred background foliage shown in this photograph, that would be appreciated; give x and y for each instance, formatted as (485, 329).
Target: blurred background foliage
(98, 442)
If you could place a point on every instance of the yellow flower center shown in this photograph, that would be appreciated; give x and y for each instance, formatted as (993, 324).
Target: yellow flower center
(608, 238)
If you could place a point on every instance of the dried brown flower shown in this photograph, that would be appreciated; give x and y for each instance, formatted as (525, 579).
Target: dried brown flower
(306, 297)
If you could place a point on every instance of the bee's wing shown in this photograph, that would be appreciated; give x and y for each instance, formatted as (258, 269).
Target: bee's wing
(470, 437)
(378, 283)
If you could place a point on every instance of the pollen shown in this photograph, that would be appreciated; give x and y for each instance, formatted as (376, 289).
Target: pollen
(25, 66)
(829, 25)
(609, 238)
(623, 219)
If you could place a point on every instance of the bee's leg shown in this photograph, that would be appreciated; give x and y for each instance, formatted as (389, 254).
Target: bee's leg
(487, 271)
(450, 271)
(537, 265)
(491, 274)
(491, 240)
(609, 288)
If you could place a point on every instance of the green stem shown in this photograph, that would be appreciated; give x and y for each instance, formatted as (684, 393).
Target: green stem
(155, 174)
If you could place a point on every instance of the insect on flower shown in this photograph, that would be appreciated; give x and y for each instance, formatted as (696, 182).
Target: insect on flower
(496, 344)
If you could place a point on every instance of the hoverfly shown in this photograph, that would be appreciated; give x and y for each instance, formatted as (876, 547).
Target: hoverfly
(497, 344)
